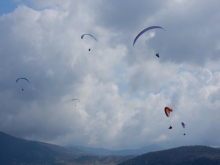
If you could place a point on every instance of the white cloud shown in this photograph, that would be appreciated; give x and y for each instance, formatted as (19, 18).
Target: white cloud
(162, 137)
(122, 89)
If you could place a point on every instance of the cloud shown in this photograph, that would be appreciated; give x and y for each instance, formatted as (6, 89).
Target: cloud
(122, 89)
(161, 138)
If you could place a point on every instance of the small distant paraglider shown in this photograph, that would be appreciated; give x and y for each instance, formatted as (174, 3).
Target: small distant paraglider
(90, 36)
(157, 55)
(168, 111)
(22, 79)
(76, 99)
(183, 125)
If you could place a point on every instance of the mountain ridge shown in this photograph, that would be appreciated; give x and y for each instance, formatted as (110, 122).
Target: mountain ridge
(17, 151)
(190, 155)
(124, 152)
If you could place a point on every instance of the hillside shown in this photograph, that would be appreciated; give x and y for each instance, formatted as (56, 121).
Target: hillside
(125, 152)
(190, 155)
(16, 151)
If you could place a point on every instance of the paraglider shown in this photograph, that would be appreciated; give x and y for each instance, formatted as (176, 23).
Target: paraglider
(76, 99)
(23, 79)
(157, 55)
(90, 36)
(168, 111)
(143, 31)
(183, 125)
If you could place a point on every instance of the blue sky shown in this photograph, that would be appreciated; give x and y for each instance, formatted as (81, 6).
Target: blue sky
(122, 89)
(7, 6)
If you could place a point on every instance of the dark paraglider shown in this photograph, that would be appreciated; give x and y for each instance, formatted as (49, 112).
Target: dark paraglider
(75, 99)
(157, 55)
(90, 36)
(22, 79)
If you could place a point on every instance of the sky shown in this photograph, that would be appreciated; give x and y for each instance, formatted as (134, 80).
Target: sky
(122, 88)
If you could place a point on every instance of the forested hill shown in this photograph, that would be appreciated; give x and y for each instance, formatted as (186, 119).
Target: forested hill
(125, 152)
(17, 151)
(188, 155)
(20, 151)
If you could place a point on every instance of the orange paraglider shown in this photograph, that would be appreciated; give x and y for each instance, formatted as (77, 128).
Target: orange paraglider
(168, 111)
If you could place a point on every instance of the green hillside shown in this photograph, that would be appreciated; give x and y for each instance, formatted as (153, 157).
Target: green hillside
(188, 155)
(16, 151)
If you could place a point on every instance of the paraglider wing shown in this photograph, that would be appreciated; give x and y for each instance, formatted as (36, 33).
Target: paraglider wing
(183, 124)
(24, 79)
(76, 99)
(142, 32)
(168, 110)
(88, 35)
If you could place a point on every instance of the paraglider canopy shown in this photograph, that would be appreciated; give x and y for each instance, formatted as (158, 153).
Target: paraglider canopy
(183, 124)
(143, 31)
(23, 79)
(157, 55)
(168, 110)
(88, 35)
(76, 99)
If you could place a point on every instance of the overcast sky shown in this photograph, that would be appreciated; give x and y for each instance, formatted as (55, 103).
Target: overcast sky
(122, 89)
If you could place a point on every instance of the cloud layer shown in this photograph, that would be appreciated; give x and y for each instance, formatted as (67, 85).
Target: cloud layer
(122, 89)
